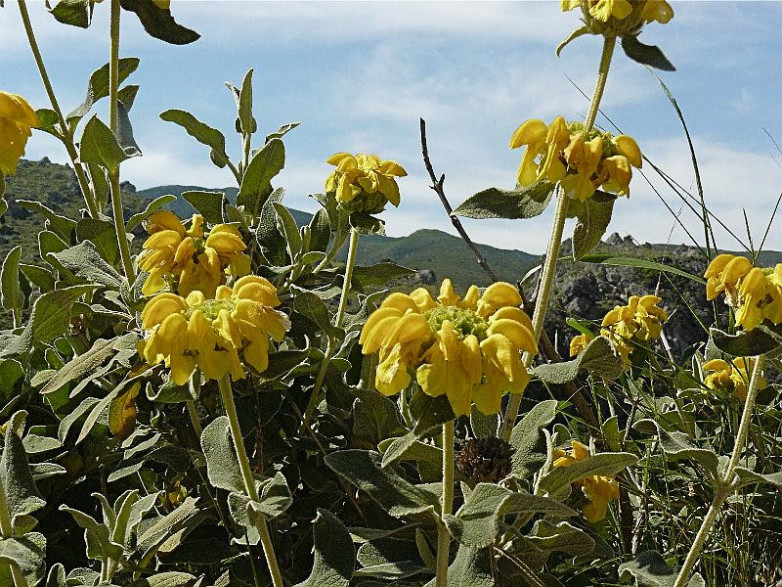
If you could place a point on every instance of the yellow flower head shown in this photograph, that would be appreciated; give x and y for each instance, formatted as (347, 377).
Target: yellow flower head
(620, 17)
(583, 161)
(16, 119)
(731, 377)
(364, 183)
(466, 348)
(579, 343)
(600, 490)
(212, 334)
(754, 293)
(641, 320)
(190, 259)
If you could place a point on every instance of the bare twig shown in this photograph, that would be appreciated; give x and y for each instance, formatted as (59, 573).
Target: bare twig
(437, 186)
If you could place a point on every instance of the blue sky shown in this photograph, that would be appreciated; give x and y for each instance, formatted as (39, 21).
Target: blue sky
(358, 75)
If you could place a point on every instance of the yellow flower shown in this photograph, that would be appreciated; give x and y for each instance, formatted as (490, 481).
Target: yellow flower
(658, 10)
(17, 118)
(723, 275)
(752, 292)
(605, 9)
(531, 134)
(211, 334)
(579, 343)
(466, 348)
(733, 378)
(600, 490)
(640, 320)
(189, 259)
(364, 183)
(582, 161)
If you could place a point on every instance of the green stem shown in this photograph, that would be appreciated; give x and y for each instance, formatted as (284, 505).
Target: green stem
(343, 300)
(319, 379)
(195, 393)
(116, 195)
(726, 487)
(351, 262)
(541, 303)
(443, 535)
(600, 85)
(555, 241)
(67, 132)
(339, 240)
(247, 476)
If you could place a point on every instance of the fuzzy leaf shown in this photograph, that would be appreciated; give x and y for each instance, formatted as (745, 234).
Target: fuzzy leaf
(159, 23)
(203, 133)
(11, 297)
(650, 55)
(22, 495)
(556, 481)
(592, 224)
(363, 469)
(528, 440)
(523, 202)
(649, 569)
(99, 145)
(263, 167)
(335, 557)
(597, 358)
(209, 204)
(480, 520)
(222, 466)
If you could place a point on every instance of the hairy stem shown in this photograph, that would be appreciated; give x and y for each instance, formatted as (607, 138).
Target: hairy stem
(726, 485)
(67, 132)
(343, 301)
(116, 195)
(339, 240)
(443, 535)
(351, 262)
(555, 240)
(226, 394)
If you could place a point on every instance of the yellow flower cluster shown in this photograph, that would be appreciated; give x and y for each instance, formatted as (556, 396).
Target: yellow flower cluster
(16, 119)
(732, 378)
(583, 161)
(210, 334)
(189, 260)
(600, 490)
(466, 348)
(641, 320)
(364, 183)
(629, 13)
(754, 293)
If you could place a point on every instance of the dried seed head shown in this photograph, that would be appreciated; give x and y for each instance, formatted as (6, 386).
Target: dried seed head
(484, 460)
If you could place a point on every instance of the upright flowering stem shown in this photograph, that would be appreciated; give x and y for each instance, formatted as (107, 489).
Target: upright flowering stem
(247, 476)
(116, 195)
(343, 301)
(443, 536)
(725, 487)
(555, 240)
(67, 138)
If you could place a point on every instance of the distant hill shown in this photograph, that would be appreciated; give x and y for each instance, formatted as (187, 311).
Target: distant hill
(434, 251)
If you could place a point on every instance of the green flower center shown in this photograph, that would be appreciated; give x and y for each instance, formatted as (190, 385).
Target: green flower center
(211, 308)
(465, 322)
